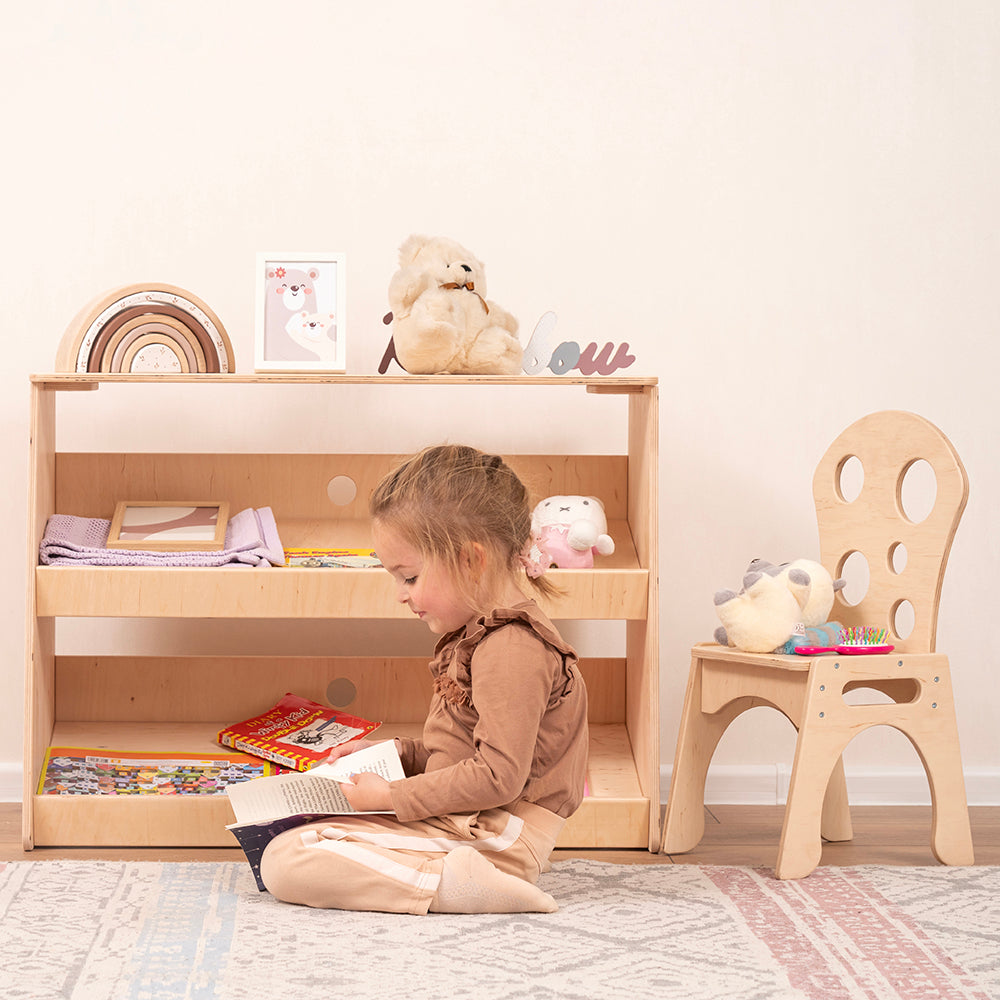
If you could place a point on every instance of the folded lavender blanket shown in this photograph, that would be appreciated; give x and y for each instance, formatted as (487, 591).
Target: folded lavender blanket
(251, 540)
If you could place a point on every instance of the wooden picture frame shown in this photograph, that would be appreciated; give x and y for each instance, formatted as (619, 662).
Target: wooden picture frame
(300, 312)
(169, 525)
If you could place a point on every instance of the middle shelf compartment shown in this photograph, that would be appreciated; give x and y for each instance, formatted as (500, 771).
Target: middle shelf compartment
(297, 488)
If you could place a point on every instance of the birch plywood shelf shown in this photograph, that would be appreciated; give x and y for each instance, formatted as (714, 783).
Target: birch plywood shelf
(178, 703)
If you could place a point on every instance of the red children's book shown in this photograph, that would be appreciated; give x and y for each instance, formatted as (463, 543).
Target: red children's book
(297, 733)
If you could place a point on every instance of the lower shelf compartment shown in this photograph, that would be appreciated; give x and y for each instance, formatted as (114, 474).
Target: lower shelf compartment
(614, 814)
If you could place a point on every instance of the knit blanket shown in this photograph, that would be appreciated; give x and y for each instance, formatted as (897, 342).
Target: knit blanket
(251, 540)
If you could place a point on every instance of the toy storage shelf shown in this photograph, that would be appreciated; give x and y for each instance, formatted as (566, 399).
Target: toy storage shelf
(177, 703)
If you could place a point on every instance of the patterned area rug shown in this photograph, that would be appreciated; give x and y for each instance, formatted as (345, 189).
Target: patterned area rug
(151, 931)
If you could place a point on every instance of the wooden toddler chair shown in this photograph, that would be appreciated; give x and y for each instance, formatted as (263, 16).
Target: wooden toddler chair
(725, 682)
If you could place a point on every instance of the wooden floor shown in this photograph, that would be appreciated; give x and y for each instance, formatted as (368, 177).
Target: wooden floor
(734, 835)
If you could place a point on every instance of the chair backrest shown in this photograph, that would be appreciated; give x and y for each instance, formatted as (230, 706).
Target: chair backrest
(906, 558)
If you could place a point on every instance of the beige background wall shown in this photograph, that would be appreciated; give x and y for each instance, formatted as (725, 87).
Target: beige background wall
(789, 210)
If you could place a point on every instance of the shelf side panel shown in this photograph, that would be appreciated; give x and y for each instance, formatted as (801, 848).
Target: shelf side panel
(39, 646)
(642, 711)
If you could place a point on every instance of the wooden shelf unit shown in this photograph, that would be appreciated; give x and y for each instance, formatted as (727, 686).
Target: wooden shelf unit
(178, 703)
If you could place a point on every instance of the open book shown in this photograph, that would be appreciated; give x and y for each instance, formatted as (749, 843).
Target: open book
(266, 807)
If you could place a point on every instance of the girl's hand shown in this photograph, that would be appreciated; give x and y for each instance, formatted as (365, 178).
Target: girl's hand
(368, 793)
(352, 747)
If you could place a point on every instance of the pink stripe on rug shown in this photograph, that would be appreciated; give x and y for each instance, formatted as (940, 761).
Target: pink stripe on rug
(838, 937)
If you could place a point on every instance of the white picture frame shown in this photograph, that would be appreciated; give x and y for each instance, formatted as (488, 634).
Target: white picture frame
(300, 312)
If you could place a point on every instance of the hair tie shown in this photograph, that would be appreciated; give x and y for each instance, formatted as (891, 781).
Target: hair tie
(533, 563)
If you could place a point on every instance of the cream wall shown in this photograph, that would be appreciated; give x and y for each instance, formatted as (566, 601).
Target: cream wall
(789, 210)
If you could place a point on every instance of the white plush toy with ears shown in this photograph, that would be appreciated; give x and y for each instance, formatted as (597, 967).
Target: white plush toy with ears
(774, 602)
(442, 321)
(815, 595)
(567, 531)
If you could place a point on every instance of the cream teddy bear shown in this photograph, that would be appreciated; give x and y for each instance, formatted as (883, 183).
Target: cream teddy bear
(442, 321)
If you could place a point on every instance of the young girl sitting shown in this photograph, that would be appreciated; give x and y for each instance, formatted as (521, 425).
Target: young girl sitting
(502, 758)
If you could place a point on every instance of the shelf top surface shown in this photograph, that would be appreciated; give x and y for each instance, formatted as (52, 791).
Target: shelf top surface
(608, 383)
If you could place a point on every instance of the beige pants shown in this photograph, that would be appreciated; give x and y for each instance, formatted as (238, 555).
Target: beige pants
(375, 862)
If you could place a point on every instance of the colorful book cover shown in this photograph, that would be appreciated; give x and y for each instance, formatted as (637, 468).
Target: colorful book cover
(296, 733)
(332, 558)
(93, 771)
(254, 837)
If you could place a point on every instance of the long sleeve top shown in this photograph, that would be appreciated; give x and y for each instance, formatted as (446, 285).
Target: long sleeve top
(507, 721)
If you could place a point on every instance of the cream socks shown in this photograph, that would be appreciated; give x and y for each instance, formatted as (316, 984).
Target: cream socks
(470, 884)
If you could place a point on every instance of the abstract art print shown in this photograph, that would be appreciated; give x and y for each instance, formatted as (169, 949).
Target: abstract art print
(169, 526)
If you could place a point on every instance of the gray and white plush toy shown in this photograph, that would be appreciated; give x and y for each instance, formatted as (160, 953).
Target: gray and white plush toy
(774, 603)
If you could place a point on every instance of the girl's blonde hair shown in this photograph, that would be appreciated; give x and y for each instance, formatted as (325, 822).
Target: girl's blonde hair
(447, 498)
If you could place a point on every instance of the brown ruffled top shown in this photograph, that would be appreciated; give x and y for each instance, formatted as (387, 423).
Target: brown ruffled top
(507, 722)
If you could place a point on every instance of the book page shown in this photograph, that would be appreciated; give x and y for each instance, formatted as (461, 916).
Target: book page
(314, 791)
(381, 759)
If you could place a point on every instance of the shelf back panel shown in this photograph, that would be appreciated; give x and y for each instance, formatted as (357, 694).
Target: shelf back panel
(124, 689)
(295, 486)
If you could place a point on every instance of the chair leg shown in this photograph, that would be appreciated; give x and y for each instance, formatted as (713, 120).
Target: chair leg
(699, 735)
(835, 823)
(951, 832)
(817, 756)
(938, 747)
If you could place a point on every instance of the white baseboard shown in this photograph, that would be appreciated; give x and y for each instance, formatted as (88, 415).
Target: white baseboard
(767, 785)
(10, 781)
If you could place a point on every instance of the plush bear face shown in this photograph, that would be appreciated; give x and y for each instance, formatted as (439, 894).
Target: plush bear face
(567, 510)
(444, 261)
